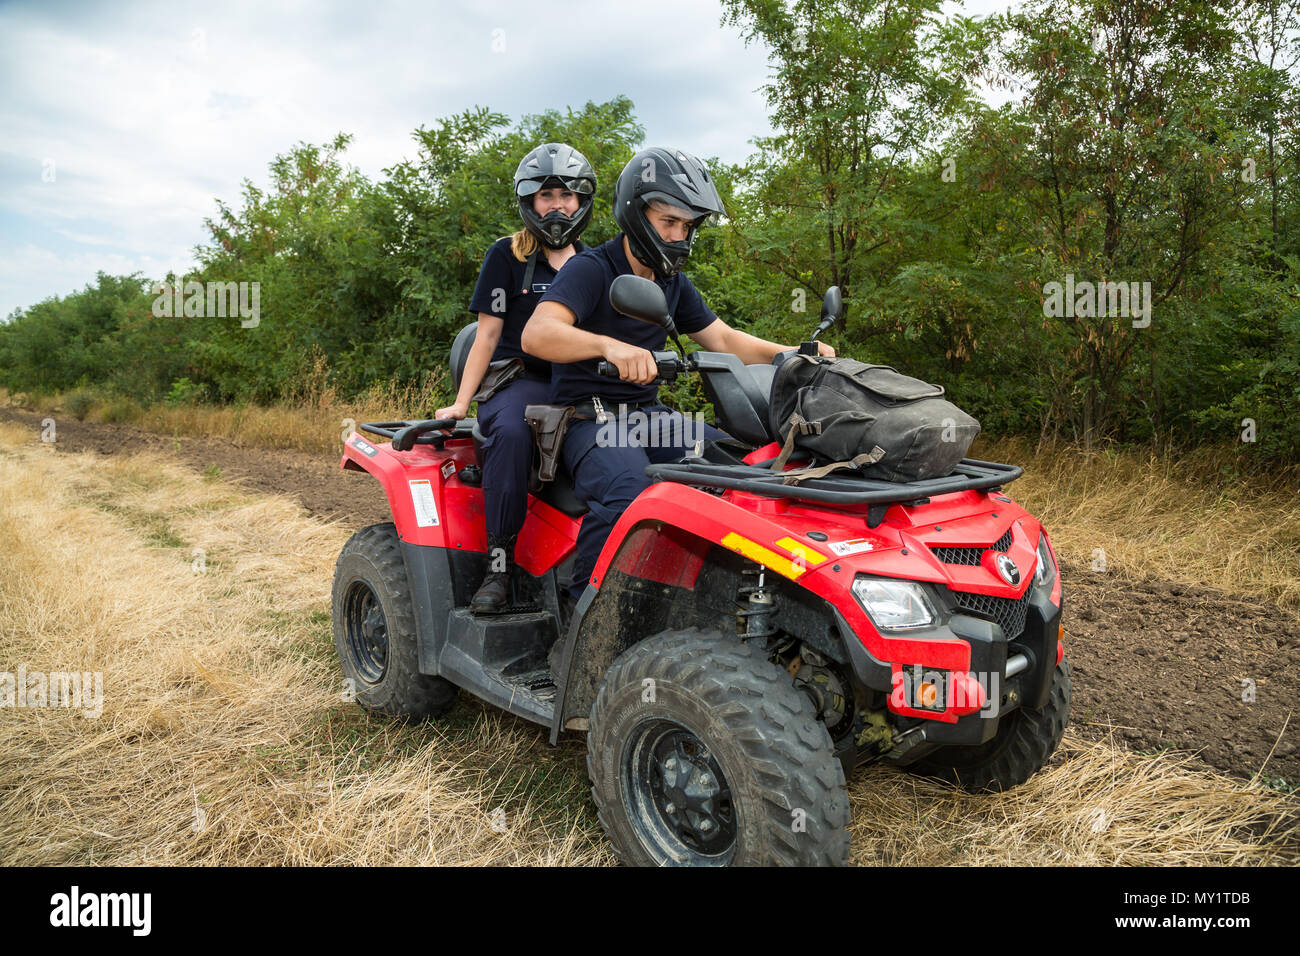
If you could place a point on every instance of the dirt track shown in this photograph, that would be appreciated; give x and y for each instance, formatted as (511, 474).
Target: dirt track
(1159, 665)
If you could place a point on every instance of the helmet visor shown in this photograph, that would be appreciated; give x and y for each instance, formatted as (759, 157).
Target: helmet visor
(526, 187)
(699, 217)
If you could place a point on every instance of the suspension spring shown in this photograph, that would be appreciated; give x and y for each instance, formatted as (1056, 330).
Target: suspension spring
(754, 619)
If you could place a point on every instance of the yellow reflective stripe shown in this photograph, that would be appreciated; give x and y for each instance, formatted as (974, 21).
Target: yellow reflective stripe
(764, 556)
(796, 548)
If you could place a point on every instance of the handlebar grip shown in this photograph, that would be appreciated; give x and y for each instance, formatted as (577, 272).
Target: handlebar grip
(607, 368)
(404, 439)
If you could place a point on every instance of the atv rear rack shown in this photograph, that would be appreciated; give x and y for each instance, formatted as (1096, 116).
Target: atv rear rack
(405, 434)
(969, 475)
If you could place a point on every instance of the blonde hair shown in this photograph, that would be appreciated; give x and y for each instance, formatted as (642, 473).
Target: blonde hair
(523, 244)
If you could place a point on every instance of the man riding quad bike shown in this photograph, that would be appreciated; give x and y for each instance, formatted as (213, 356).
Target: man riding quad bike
(746, 639)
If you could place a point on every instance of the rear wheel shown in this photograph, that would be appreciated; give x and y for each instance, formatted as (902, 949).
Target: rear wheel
(702, 752)
(374, 629)
(1024, 742)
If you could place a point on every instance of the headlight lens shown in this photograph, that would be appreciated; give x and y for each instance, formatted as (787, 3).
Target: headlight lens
(1045, 573)
(893, 605)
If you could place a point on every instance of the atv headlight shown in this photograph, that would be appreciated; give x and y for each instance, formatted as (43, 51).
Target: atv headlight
(893, 605)
(1045, 573)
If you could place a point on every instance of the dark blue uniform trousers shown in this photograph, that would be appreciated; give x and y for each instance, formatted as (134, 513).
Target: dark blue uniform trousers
(608, 467)
(508, 453)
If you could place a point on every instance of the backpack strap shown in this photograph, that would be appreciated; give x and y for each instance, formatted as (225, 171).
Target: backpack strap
(798, 426)
(858, 461)
(530, 269)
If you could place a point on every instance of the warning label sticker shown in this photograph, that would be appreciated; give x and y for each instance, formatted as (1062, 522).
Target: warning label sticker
(426, 512)
(852, 546)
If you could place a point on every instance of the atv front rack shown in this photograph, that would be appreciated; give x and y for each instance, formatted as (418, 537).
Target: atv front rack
(969, 475)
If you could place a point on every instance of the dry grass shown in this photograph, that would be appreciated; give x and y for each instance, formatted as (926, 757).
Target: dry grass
(224, 738)
(1095, 804)
(313, 419)
(221, 696)
(1193, 521)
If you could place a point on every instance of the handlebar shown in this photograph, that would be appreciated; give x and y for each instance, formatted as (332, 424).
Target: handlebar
(670, 366)
(405, 435)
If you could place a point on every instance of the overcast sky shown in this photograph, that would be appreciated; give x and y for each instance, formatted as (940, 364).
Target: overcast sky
(121, 124)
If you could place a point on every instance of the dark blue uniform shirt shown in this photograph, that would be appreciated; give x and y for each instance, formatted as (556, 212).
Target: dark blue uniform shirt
(500, 292)
(583, 286)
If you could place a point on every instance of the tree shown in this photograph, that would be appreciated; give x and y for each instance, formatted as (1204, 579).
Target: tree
(860, 87)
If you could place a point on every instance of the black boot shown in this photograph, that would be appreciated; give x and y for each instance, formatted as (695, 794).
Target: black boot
(493, 596)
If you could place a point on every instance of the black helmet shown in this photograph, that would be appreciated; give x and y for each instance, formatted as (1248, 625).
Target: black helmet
(555, 165)
(673, 177)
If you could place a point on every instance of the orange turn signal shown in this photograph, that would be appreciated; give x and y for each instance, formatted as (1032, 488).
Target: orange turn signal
(929, 694)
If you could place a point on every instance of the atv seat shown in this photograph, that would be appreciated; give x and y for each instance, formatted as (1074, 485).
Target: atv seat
(762, 376)
(460, 347)
(739, 394)
(559, 495)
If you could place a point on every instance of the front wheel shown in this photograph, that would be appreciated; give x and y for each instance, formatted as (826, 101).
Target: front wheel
(374, 630)
(702, 752)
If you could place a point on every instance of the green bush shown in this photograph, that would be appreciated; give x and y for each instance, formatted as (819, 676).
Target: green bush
(183, 392)
(79, 403)
(122, 410)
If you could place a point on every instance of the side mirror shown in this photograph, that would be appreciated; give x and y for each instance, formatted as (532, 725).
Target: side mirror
(642, 300)
(832, 309)
(832, 304)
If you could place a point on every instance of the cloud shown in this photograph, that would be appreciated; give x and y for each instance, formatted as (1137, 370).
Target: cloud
(145, 114)
(140, 117)
(29, 274)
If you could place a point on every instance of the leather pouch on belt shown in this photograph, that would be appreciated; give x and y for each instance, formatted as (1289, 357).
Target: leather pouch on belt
(549, 423)
(498, 376)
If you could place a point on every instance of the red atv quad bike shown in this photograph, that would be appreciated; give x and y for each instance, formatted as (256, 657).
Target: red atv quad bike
(744, 643)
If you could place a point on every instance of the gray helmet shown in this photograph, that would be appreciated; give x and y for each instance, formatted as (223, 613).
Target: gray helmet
(673, 177)
(555, 165)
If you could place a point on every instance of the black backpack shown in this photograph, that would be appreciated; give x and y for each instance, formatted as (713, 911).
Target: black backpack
(870, 417)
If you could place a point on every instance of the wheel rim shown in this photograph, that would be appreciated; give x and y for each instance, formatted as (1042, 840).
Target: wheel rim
(679, 800)
(367, 632)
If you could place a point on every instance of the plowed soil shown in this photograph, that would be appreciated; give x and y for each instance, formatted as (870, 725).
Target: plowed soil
(1156, 665)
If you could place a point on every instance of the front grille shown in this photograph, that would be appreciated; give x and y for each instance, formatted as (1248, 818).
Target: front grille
(1007, 613)
(971, 556)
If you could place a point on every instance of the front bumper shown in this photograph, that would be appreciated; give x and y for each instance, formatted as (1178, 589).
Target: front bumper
(989, 653)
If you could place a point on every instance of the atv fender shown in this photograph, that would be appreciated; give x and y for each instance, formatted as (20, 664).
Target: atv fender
(760, 535)
(547, 538)
(430, 506)
(663, 541)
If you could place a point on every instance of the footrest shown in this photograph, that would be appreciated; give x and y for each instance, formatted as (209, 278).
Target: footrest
(524, 608)
(537, 684)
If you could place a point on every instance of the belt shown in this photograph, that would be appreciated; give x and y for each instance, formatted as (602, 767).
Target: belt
(587, 409)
